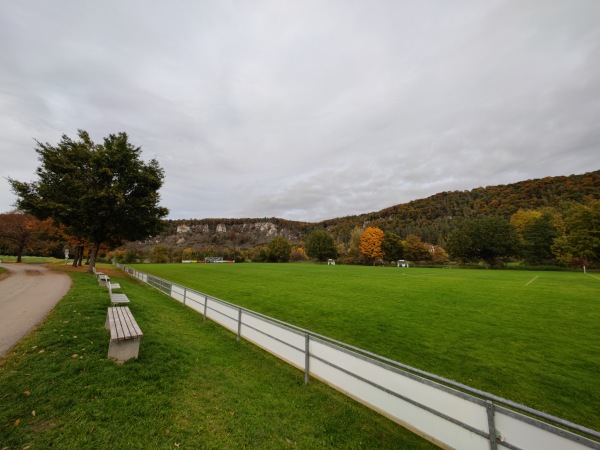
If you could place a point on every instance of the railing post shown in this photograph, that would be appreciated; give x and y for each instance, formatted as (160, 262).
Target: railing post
(491, 425)
(239, 323)
(306, 358)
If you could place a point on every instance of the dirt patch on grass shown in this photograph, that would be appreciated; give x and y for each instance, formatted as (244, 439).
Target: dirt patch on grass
(42, 425)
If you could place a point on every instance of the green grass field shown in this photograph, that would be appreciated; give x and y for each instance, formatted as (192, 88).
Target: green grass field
(194, 386)
(531, 337)
(28, 259)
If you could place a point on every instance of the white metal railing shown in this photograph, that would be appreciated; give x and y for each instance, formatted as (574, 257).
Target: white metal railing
(447, 413)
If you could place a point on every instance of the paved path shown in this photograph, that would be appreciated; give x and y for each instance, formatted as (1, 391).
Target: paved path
(27, 295)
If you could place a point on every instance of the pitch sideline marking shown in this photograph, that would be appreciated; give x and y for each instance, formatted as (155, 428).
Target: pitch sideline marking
(598, 278)
(532, 280)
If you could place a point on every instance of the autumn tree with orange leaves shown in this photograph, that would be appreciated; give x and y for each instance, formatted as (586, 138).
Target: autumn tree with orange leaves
(21, 232)
(370, 243)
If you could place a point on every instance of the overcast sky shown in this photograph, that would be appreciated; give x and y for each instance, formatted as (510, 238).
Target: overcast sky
(311, 109)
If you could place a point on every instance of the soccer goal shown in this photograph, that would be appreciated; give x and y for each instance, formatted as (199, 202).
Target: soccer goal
(213, 259)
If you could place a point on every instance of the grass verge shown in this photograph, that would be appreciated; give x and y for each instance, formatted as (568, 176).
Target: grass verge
(193, 386)
(28, 259)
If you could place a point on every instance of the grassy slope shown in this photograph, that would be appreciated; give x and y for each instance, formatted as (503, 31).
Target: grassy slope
(531, 337)
(193, 386)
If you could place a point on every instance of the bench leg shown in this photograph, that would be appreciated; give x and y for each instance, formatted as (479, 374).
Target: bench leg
(124, 350)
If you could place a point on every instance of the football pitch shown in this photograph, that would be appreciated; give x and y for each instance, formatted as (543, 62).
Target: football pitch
(530, 337)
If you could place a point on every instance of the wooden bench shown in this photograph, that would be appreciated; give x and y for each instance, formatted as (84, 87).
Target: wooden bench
(116, 298)
(125, 334)
(103, 279)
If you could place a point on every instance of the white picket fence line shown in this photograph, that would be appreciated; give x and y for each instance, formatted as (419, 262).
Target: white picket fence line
(447, 413)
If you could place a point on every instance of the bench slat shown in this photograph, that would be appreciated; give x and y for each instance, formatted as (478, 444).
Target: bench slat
(129, 323)
(122, 324)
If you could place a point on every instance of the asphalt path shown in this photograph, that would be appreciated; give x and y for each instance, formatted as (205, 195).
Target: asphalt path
(27, 295)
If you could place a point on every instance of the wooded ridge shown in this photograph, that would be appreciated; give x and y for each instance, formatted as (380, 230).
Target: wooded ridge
(431, 218)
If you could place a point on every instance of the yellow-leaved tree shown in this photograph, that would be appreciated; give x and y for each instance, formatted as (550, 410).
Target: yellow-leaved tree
(370, 243)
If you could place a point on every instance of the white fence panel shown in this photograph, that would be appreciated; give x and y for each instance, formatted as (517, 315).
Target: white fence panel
(522, 432)
(178, 293)
(284, 343)
(350, 373)
(223, 314)
(195, 300)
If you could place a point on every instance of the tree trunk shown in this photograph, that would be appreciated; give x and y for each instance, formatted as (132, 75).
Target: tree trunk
(76, 257)
(93, 255)
(81, 251)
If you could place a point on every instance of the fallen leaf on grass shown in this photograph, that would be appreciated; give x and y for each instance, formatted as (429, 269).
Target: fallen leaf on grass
(176, 445)
(27, 393)
(33, 413)
(17, 422)
(75, 355)
(42, 351)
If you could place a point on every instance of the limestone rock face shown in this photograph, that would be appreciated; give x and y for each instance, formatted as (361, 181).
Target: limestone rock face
(183, 229)
(239, 233)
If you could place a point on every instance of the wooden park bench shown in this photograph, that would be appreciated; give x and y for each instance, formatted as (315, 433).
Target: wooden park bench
(116, 298)
(103, 279)
(125, 334)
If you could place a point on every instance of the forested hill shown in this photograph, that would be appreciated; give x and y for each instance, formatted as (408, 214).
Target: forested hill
(430, 218)
(434, 217)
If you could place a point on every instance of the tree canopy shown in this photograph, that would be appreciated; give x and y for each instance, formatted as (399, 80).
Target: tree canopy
(370, 243)
(392, 247)
(320, 245)
(20, 232)
(103, 192)
(486, 239)
(279, 250)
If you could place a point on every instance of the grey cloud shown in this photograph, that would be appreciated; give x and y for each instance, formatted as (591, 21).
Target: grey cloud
(308, 110)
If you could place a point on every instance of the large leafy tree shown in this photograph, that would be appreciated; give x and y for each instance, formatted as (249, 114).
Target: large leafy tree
(537, 240)
(392, 247)
(103, 192)
(354, 256)
(582, 238)
(279, 250)
(20, 232)
(415, 249)
(320, 245)
(487, 239)
(370, 243)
